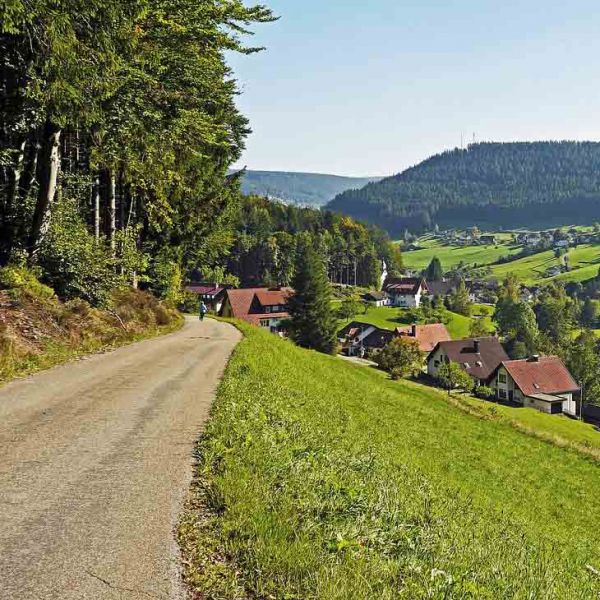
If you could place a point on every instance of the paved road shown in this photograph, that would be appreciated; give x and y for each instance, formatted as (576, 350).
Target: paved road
(95, 460)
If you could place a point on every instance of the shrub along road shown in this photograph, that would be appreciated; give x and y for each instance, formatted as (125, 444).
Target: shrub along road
(95, 463)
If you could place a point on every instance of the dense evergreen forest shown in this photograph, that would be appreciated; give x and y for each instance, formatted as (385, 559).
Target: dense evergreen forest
(268, 233)
(118, 127)
(492, 185)
(305, 189)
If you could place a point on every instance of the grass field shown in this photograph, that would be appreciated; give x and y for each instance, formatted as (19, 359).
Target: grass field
(322, 480)
(451, 256)
(584, 260)
(388, 317)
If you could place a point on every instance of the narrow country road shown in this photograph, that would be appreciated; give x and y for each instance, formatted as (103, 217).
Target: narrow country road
(95, 461)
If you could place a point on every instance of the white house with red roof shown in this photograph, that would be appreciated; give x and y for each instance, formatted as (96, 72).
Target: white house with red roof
(263, 307)
(405, 292)
(540, 382)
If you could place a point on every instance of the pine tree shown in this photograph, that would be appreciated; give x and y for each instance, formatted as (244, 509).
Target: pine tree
(459, 301)
(313, 324)
(434, 271)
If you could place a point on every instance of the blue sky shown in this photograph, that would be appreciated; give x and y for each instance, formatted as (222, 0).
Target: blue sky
(369, 88)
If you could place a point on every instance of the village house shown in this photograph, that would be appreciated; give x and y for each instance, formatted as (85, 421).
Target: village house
(356, 338)
(427, 336)
(479, 357)
(543, 383)
(263, 307)
(212, 294)
(405, 292)
(377, 298)
(488, 239)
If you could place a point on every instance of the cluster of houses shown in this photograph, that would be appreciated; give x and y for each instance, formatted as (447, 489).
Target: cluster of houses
(543, 383)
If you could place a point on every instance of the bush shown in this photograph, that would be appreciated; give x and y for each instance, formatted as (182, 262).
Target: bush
(401, 357)
(22, 279)
(485, 393)
(451, 376)
(74, 263)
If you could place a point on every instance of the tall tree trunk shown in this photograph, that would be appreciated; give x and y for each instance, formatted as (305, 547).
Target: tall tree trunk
(7, 214)
(47, 176)
(96, 206)
(112, 210)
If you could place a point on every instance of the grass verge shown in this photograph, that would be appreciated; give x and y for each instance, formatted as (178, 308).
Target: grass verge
(318, 479)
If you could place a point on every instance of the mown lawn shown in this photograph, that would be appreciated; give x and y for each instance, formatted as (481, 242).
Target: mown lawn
(388, 317)
(320, 479)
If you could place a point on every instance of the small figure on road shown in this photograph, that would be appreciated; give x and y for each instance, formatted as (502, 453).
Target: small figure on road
(203, 310)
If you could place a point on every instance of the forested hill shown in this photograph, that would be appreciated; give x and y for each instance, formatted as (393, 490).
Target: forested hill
(494, 185)
(306, 189)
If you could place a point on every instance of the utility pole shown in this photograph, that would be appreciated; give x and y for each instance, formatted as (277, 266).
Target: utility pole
(582, 384)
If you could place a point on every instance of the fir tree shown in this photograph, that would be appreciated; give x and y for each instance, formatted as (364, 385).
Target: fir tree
(434, 271)
(313, 324)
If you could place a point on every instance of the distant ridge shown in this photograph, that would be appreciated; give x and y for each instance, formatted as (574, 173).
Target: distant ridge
(305, 189)
(492, 185)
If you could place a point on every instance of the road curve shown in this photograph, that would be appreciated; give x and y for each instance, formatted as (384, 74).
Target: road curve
(95, 460)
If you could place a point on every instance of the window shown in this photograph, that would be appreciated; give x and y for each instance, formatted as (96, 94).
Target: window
(502, 394)
(501, 377)
(265, 322)
(267, 309)
(436, 363)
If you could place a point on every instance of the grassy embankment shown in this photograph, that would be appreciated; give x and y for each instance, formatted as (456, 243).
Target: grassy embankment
(320, 479)
(37, 331)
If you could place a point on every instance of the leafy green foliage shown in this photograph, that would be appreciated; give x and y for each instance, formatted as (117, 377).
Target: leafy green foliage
(452, 376)
(401, 357)
(434, 271)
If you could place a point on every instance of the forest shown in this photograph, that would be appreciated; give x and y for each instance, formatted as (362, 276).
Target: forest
(119, 125)
(492, 185)
(267, 234)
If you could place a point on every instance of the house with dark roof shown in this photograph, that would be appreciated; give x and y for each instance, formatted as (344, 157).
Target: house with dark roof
(479, 357)
(428, 336)
(263, 307)
(356, 338)
(212, 294)
(540, 382)
(405, 292)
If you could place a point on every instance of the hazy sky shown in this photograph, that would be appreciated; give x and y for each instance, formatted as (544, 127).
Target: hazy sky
(370, 87)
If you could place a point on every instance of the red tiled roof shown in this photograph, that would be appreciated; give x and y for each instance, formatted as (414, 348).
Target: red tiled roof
(427, 335)
(241, 305)
(480, 364)
(268, 297)
(403, 285)
(205, 288)
(545, 375)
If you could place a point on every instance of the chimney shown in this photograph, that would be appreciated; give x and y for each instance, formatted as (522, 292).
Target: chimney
(476, 346)
(413, 331)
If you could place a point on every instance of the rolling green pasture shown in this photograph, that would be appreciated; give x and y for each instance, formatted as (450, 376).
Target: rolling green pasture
(388, 317)
(451, 256)
(318, 479)
(584, 261)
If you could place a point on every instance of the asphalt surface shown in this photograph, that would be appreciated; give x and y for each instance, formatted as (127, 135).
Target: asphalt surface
(95, 461)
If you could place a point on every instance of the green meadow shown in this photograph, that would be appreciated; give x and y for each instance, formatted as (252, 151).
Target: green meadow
(318, 479)
(584, 260)
(388, 317)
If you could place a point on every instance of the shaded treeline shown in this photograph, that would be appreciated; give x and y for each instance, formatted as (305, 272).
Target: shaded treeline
(118, 125)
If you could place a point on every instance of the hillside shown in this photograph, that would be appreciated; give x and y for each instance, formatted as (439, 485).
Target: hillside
(492, 185)
(348, 485)
(309, 189)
